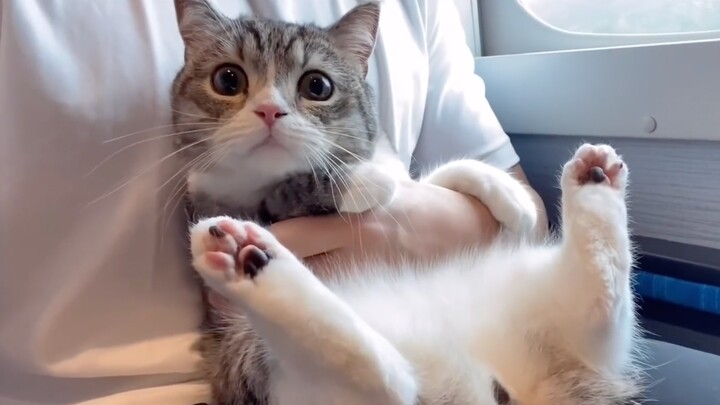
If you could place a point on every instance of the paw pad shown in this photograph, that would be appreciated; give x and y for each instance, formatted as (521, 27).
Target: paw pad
(597, 175)
(216, 231)
(253, 260)
(596, 164)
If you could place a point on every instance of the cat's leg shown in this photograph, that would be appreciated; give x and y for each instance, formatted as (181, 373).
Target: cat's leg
(571, 322)
(596, 242)
(311, 334)
(598, 256)
(506, 198)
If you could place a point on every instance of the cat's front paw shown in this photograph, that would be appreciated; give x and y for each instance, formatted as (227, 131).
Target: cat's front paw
(229, 254)
(595, 164)
(368, 186)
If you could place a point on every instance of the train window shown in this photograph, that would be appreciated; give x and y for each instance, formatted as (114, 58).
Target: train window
(628, 16)
(504, 27)
(639, 74)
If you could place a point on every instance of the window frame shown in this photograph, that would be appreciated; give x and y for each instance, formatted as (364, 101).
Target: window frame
(655, 97)
(530, 34)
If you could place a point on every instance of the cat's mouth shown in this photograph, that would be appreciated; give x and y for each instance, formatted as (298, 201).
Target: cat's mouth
(269, 141)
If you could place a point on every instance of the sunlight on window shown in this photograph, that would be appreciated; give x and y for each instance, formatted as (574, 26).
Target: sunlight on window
(628, 16)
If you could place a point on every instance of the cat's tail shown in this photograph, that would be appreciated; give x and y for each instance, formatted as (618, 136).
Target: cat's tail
(507, 199)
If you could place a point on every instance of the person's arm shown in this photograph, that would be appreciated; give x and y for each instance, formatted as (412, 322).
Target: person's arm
(458, 120)
(422, 222)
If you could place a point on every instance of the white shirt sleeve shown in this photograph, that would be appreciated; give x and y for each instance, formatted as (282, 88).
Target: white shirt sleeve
(458, 121)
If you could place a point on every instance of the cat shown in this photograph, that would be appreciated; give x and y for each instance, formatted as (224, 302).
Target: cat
(275, 121)
(267, 138)
(549, 324)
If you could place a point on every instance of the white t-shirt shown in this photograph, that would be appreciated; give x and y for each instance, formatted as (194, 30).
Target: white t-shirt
(97, 301)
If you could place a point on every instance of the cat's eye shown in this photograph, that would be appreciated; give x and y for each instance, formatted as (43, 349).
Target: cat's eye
(315, 86)
(229, 80)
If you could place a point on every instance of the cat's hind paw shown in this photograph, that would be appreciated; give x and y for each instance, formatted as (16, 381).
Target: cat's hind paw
(507, 199)
(595, 164)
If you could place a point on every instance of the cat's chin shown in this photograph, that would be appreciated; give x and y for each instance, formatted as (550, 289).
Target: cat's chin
(270, 144)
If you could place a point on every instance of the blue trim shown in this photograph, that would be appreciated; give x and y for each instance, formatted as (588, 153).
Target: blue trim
(677, 282)
(679, 269)
(701, 297)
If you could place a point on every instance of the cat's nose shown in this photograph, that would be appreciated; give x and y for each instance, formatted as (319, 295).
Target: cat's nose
(269, 113)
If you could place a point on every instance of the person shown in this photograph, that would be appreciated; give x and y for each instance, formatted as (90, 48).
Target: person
(98, 305)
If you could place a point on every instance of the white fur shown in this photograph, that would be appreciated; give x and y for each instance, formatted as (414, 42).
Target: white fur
(369, 187)
(393, 335)
(507, 199)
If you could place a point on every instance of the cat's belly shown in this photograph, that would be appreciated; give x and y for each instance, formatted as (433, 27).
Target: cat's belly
(448, 374)
(436, 325)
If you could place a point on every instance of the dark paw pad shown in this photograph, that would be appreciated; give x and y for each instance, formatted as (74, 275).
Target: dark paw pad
(254, 261)
(216, 232)
(501, 395)
(597, 175)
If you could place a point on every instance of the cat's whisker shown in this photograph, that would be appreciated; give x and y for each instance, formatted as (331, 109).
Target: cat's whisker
(333, 184)
(376, 204)
(140, 142)
(334, 176)
(140, 132)
(338, 164)
(312, 168)
(359, 158)
(183, 169)
(145, 171)
(355, 180)
(365, 131)
(333, 131)
(223, 152)
(327, 164)
(203, 117)
(178, 193)
(336, 171)
(344, 135)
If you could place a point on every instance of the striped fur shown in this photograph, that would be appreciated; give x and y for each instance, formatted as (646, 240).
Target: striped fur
(274, 54)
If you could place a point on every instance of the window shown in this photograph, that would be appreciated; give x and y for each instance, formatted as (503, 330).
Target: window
(640, 74)
(628, 16)
(525, 26)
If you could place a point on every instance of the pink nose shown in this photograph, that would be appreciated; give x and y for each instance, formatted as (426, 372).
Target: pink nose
(269, 113)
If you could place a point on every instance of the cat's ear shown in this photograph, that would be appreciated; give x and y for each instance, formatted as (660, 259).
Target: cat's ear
(354, 35)
(195, 18)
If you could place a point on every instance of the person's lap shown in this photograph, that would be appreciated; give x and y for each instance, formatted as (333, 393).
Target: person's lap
(682, 376)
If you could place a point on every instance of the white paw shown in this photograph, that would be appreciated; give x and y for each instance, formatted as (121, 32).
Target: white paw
(230, 255)
(513, 207)
(506, 198)
(368, 186)
(595, 164)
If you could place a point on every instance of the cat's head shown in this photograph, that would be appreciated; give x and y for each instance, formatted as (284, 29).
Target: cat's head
(256, 94)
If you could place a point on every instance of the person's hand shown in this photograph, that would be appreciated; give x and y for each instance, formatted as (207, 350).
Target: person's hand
(422, 222)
